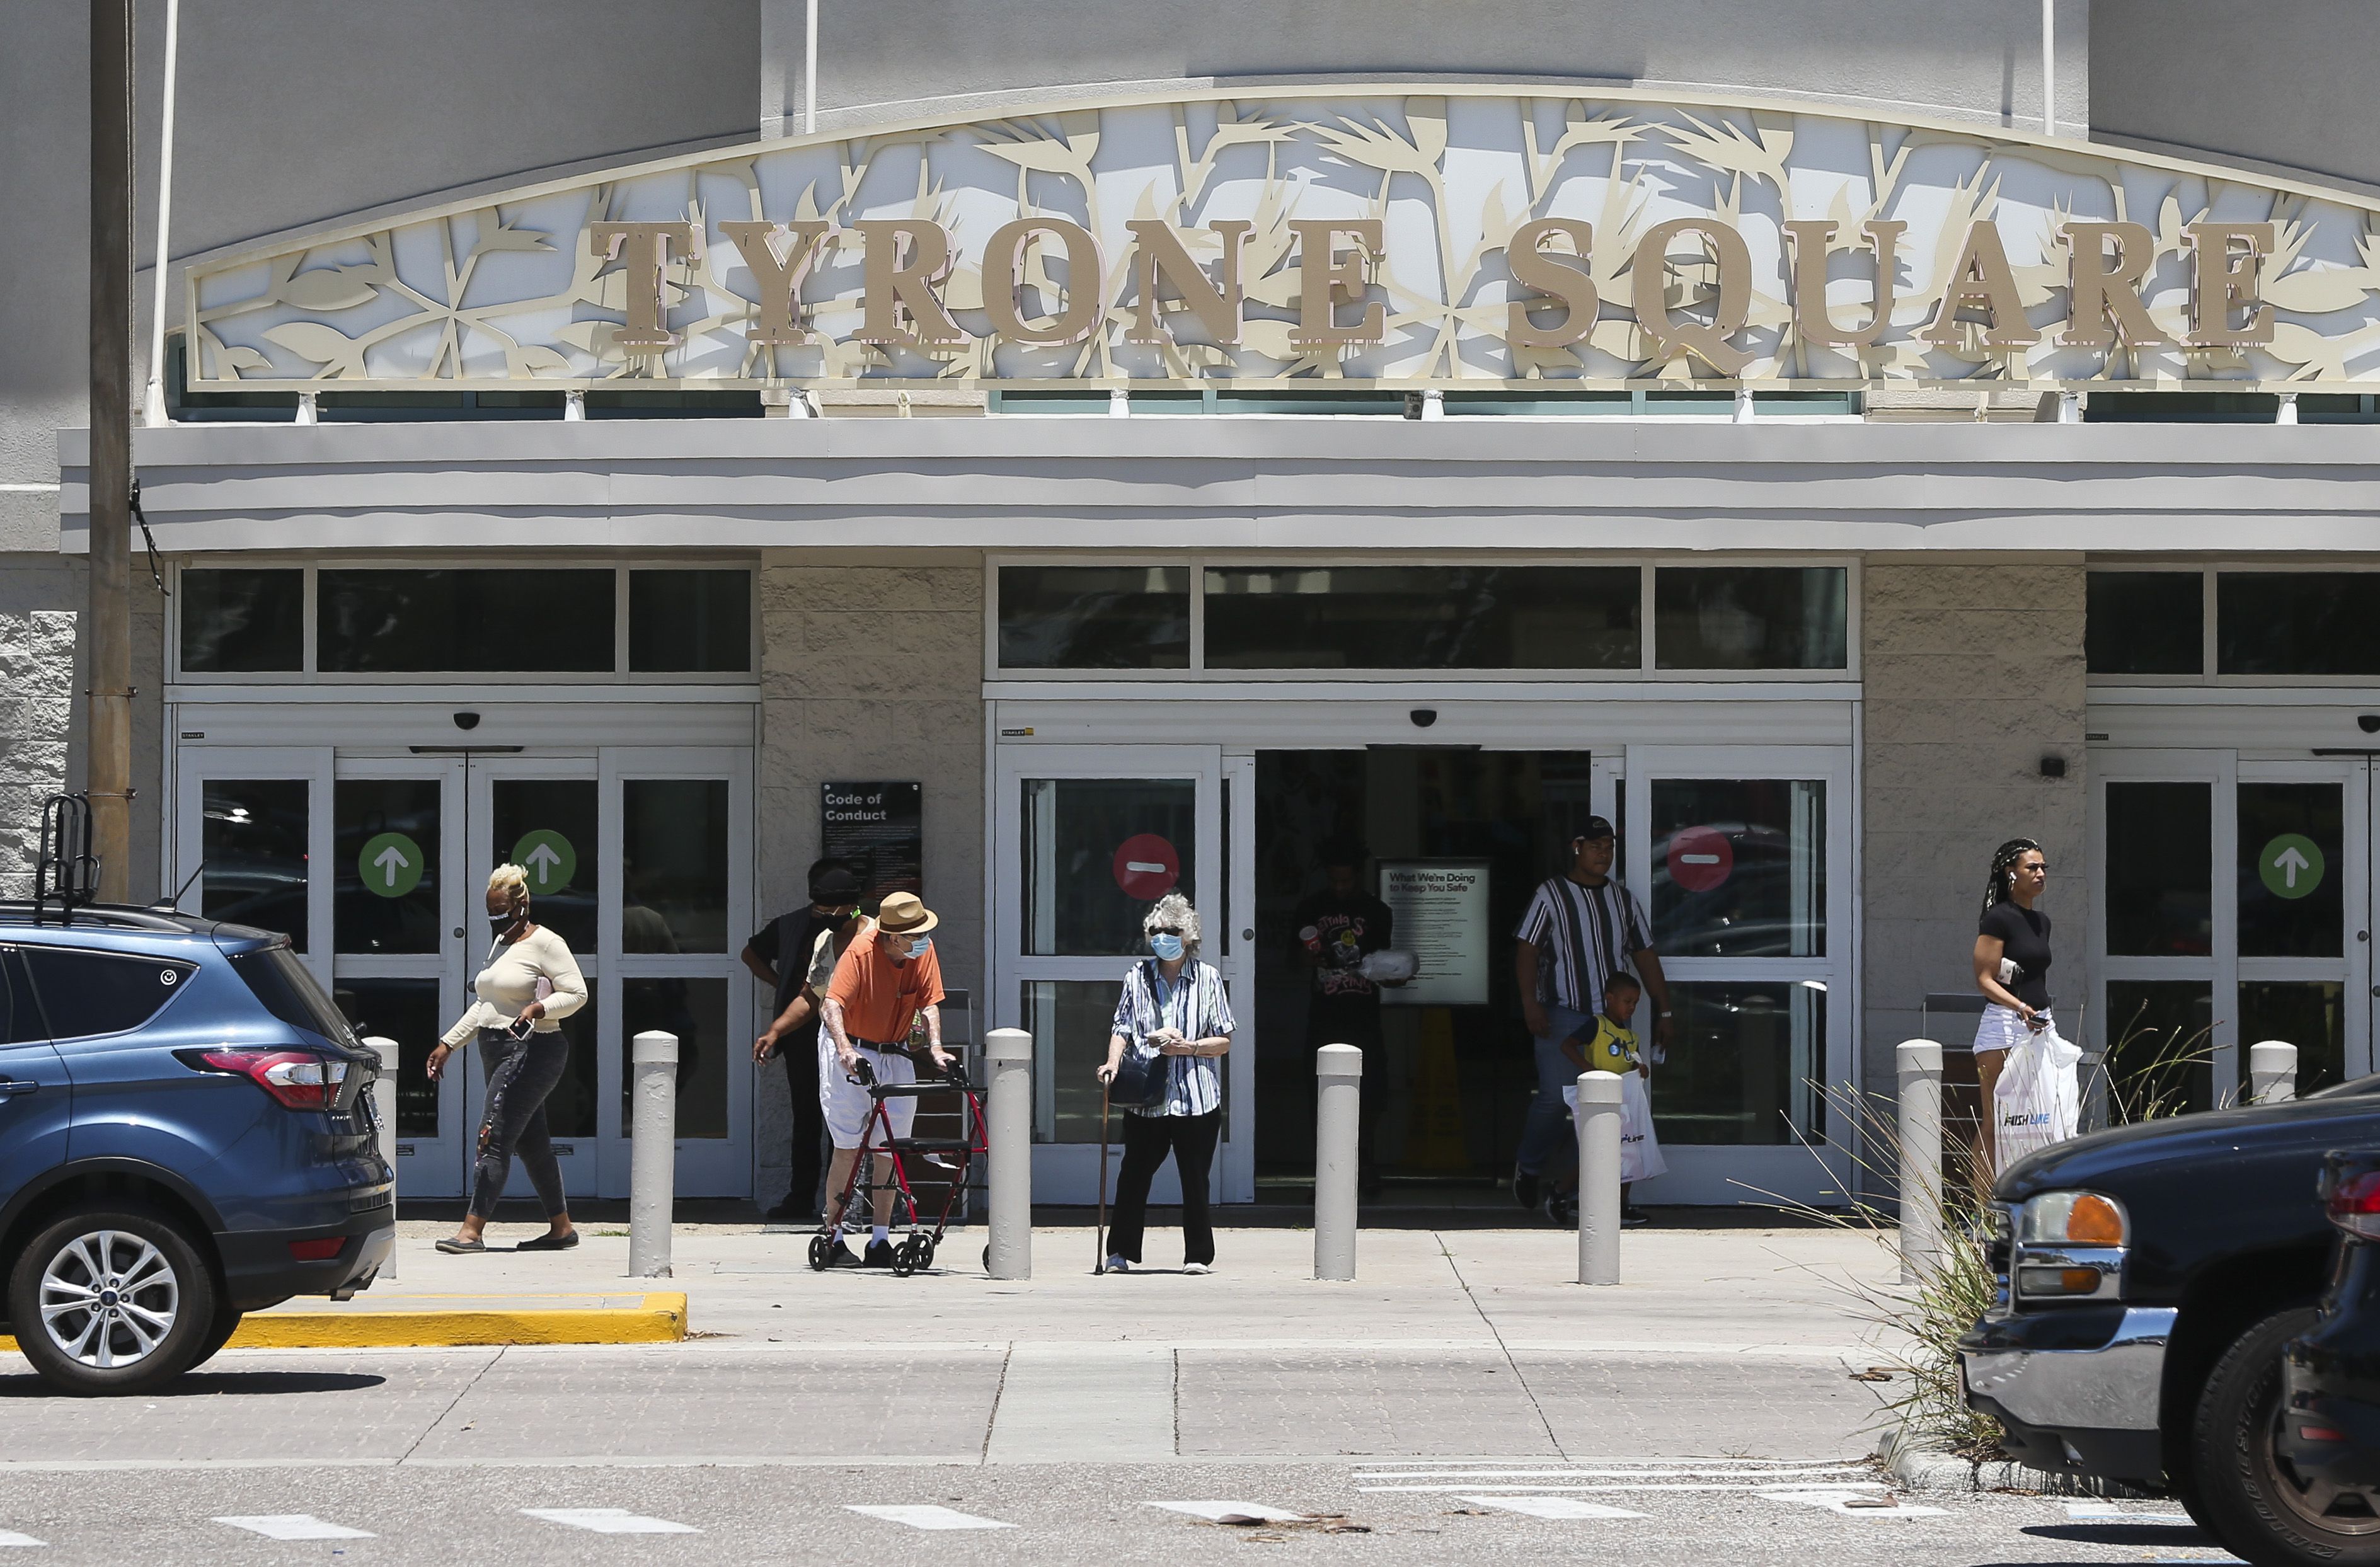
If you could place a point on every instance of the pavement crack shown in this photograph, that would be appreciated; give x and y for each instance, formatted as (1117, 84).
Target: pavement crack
(460, 1394)
(983, 1454)
(1506, 1350)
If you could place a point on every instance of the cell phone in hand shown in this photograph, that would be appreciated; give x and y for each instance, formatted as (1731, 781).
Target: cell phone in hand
(520, 1027)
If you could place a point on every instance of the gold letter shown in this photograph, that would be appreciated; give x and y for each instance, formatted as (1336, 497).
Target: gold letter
(1672, 336)
(1162, 252)
(1326, 276)
(2101, 292)
(1003, 274)
(780, 282)
(649, 245)
(901, 309)
(2226, 281)
(1532, 268)
(1983, 276)
(1811, 237)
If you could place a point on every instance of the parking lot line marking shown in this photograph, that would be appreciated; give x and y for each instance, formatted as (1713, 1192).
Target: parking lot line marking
(1837, 1499)
(1660, 1472)
(2108, 1513)
(10, 1537)
(1549, 1506)
(1648, 1485)
(296, 1526)
(928, 1517)
(609, 1521)
(1231, 1512)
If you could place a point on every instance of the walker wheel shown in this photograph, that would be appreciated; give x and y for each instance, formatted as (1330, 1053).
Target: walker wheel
(904, 1258)
(987, 1259)
(822, 1252)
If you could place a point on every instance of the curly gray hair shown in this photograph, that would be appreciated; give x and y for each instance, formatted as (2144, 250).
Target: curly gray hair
(1172, 912)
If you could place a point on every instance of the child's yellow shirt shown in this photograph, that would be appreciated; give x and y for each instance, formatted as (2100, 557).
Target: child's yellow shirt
(1613, 1049)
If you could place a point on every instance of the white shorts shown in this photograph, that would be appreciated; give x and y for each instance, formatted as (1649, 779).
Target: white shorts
(847, 1104)
(2002, 1026)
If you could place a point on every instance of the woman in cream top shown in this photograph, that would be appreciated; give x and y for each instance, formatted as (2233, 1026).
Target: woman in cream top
(530, 977)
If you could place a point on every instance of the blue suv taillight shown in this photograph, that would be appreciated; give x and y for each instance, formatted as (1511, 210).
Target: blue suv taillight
(301, 1079)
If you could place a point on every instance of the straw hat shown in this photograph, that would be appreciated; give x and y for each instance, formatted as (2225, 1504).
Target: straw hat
(905, 914)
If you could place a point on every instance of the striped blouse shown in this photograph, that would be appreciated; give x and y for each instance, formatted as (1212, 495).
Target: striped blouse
(1197, 1005)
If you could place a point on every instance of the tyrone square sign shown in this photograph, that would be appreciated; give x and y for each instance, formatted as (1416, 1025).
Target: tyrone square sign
(1371, 235)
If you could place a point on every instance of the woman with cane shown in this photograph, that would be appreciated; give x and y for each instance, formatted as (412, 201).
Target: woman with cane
(1174, 1012)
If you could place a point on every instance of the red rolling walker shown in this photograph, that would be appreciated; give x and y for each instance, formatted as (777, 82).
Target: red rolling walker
(951, 1161)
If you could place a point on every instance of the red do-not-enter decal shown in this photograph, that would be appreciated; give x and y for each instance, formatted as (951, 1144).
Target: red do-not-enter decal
(1147, 866)
(1700, 858)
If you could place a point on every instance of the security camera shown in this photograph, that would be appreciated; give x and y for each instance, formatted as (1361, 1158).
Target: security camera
(2368, 721)
(466, 721)
(1423, 716)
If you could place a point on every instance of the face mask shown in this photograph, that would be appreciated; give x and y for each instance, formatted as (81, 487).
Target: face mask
(1166, 945)
(505, 921)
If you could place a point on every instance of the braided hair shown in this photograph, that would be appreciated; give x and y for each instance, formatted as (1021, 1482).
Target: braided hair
(2004, 859)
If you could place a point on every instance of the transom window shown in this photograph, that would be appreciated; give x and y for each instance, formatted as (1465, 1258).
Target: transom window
(1301, 617)
(366, 622)
(2233, 624)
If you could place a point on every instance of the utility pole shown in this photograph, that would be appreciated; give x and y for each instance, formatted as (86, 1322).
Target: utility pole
(108, 762)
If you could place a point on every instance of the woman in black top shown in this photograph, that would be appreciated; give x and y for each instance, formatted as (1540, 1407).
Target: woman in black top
(2011, 965)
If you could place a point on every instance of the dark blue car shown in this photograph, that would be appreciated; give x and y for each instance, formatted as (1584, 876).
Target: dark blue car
(186, 1134)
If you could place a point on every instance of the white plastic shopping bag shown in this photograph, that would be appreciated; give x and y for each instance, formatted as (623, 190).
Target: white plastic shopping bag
(1640, 1150)
(2038, 1100)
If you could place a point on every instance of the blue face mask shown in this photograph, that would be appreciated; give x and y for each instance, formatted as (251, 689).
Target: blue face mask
(1166, 945)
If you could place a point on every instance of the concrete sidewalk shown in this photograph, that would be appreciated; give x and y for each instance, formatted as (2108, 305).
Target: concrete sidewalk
(1775, 1293)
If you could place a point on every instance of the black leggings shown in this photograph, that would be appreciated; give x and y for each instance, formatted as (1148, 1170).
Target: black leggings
(520, 1073)
(800, 1051)
(1147, 1140)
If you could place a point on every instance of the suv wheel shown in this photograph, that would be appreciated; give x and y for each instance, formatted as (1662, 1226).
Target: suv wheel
(2256, 1503)
(112, 1301)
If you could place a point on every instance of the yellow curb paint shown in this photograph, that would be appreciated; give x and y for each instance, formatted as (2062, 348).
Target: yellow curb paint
(659, 1319)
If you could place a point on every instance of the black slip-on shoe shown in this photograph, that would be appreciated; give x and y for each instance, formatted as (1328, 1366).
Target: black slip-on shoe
(549, 1242)
(455, 1245)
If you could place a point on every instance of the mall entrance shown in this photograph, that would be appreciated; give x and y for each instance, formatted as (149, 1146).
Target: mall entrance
(1098, 807)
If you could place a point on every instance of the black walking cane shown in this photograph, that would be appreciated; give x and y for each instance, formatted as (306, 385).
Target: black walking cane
(1099, 1233)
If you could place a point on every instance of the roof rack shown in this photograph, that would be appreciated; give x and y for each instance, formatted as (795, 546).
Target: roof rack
(68, 873)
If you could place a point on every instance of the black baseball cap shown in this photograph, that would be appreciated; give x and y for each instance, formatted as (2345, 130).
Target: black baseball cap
(834, 883)
(1594, 827)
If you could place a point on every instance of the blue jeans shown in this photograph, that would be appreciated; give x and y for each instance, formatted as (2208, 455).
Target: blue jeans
(1546, 1134)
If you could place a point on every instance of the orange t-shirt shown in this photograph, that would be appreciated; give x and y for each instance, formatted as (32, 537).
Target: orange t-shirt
(879, 997)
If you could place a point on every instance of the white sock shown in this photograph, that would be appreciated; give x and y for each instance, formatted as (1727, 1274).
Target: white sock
(882, 1232)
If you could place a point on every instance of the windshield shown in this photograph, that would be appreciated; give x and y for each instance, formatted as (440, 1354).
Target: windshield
(289, 994)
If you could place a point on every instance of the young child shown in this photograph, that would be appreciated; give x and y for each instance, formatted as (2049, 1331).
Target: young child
(1612, 1049)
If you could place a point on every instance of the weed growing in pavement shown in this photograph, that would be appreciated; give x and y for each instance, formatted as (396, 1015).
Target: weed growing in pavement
(1918, 1326)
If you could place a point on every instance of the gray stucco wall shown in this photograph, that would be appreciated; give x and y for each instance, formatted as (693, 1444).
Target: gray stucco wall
(870, 668)
(2287, 85)
(1972, 673)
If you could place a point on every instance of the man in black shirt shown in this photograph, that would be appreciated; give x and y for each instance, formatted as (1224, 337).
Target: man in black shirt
(778, 956)
(1337, 928)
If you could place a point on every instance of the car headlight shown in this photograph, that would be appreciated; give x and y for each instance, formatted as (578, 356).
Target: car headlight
(2080, 1218)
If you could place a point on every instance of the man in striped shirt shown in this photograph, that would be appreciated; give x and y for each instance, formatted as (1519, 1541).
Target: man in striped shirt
(1580, 929)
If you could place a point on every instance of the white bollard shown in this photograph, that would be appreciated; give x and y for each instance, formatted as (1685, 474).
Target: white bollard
(384, 1111)
(1919, 1063)
(2272, 1071)
(1337, 1133)
(652, 1154)
(1008, 1128)
(1598, 1178)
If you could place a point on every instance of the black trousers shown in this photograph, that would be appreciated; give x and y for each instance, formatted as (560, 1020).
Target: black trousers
(520, 1073)
(1147, 1140)
(800, 1054)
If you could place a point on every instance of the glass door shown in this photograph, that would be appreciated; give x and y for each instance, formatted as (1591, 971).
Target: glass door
(252, 823)
(1086, 838)
(542, 813)
(1746, 878)
(2301, 834)
(402, 911)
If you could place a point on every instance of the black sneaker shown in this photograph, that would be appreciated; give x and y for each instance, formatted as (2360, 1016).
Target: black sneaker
(1561, 1211)
(843, 1257)
(1634, 1218)
(1524, 1187)
(879, 1255)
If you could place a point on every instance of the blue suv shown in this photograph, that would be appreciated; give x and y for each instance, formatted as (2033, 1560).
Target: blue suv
(187, 1134)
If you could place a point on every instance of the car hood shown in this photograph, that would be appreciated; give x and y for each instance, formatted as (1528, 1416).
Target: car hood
(2209, 1144)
